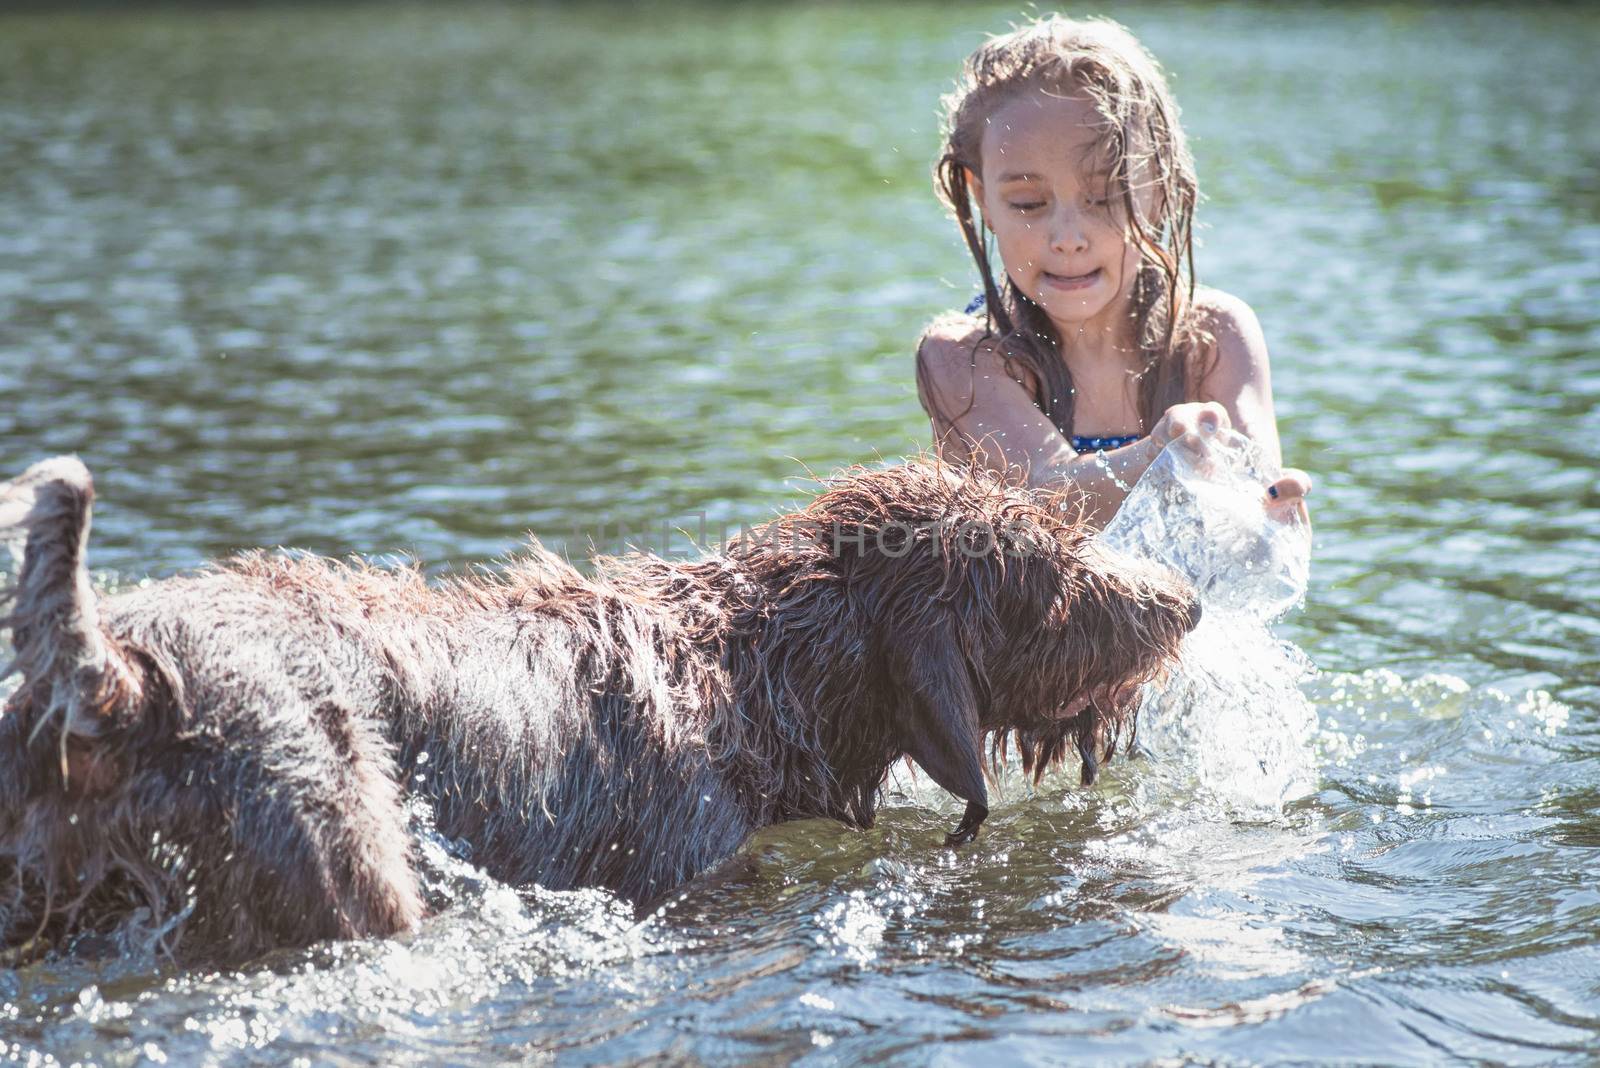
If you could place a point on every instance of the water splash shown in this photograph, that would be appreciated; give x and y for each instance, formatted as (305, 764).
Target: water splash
(1200, 512)
(492, 957)
(1231, 720)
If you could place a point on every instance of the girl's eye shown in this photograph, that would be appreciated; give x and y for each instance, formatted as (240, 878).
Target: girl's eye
(1032, 205)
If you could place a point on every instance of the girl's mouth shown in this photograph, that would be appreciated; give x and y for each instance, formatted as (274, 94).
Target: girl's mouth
(1072, 281)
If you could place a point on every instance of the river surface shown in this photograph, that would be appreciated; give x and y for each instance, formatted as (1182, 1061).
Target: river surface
(418, 280)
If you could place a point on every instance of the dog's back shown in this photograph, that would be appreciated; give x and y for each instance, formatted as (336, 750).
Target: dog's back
(557, 729)
(221, 776)
(231, 749)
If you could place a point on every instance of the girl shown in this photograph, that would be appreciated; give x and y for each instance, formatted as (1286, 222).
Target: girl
(1096, 350)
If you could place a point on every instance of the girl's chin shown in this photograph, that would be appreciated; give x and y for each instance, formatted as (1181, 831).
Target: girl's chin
(1062, 308)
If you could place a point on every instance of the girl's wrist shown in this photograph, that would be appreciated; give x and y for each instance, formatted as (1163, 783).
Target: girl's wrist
(1130, 461)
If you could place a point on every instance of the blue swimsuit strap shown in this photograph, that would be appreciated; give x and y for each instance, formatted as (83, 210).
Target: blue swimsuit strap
(1086, 443)
(1080, 442)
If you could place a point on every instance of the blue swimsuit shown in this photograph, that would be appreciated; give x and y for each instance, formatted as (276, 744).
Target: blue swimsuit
(1080, 442)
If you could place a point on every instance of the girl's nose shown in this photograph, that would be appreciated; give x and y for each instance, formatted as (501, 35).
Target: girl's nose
(1067, 232)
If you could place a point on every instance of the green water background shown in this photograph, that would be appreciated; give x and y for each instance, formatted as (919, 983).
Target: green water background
(419, 279)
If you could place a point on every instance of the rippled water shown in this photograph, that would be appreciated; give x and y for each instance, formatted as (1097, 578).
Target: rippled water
(394, 280)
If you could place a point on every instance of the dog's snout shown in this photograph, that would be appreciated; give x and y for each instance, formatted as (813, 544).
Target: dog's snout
(1194, 613)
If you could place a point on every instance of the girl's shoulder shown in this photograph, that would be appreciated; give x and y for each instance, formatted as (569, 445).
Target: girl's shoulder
(953, 337)
(1218, 310)
(956, 345)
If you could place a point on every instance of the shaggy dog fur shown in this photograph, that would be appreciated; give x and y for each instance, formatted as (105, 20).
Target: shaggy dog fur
(230, 750)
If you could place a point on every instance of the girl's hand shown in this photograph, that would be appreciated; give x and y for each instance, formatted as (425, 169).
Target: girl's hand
(1286, 498)
(1195, 429)
(1200, 418)
(1208, 422)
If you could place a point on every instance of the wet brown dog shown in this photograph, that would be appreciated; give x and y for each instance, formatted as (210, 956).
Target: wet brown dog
(225, 750)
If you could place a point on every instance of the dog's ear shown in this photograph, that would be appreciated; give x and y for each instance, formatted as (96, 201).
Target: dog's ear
(942, 732)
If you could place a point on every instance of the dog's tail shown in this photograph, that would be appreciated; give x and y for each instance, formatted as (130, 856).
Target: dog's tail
(71, 674)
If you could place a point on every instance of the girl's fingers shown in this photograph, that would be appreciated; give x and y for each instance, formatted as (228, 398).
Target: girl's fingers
(1192, 445)
(1204, 419)
(1286, 498)
(1182, 420)
(1212, 417)
(1293, 485)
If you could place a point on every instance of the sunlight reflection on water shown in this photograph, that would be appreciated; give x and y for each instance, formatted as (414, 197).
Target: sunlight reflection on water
(360, 278)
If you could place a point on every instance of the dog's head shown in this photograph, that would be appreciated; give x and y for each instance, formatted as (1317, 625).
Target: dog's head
(994, 615)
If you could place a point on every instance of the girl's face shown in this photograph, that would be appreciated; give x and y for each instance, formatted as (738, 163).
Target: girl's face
(1059, 221)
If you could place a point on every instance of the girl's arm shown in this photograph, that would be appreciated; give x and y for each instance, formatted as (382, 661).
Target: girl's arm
(1240, 379)
(983, 416)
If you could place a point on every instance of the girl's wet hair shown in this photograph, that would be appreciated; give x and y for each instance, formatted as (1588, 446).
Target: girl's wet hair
(1152, 178)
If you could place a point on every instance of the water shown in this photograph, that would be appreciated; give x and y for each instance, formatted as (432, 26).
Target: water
(380, 280)
(1231, 720)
